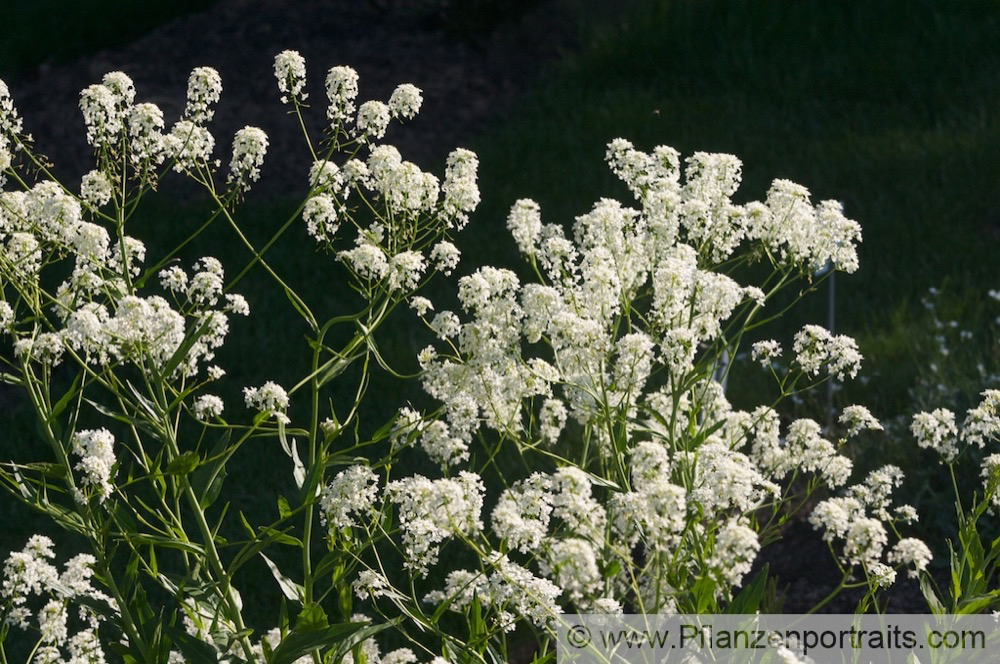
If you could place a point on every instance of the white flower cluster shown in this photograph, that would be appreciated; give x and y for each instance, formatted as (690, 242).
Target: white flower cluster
(815, 347)
(858, 419)
(859, 519)
(341, 90)
(616, 253)
(290, 70)
(431, 511)
(203, 91)
(787, 224)
(509, 589)
(937, 431)
(249, 147)
(270, 398)
(736, 547)
(111, 116)
(96, 317)
(348, 497)
(29, 573)
(96, 449)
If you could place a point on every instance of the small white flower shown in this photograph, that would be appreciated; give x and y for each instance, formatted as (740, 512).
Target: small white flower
(174, 279)
(736, 547)
(95, 189)
(911, 551)
(249, 147)
(207, 407)
(858, 419)
(326, 175)
(405, 101)
(446, 325)
(445, 256)
(421, 305)
(349, 496)
(290, 71)
(937, 431)
(765, 352)
(96, 449)
(373, 120)
(525, 224)
(321, 217)
(269, 398)
(237, 304)
(204, 89)
(341, 90)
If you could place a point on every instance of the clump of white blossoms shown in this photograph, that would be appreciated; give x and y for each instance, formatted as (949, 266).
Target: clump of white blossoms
(290, 71)
(431, 511)
(618, 335)
(204, 90)
(405, 101)
(28, 574)
(96, 450)
(341, 90)
(937, 431)
(207, 407)
(349, 496)
(249, 147)
(270, 399)
(815, 347)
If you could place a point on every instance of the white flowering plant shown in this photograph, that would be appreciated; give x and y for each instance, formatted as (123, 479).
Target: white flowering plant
(588, 458)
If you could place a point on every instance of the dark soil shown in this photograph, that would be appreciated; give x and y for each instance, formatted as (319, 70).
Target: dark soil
(471, 72)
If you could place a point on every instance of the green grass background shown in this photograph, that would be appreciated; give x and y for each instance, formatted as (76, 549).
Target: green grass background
(891, 107)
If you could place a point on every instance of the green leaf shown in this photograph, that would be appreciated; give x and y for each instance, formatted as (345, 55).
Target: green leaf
(357, 637)
(194, 650)
(284, 509)
(141, 539)
(67, 398)
(312, 617)
(183, 464)
(208, 479)
(299, 643)
(749, 599)
(291, 590)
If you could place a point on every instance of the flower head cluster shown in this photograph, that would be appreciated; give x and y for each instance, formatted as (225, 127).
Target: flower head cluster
(765, 352)
(373, 120)
(203, 91)
(815, 347)
(858, 419)
(29, 573)
(405, 101)
(460, 188)
(341, 90)
(859, 519)
(290, 70)
(249, 148)
(736, 547)
(95, 189)
(937, 431)
(349, 496)
(982, 423)
(269, 398)
(431, 511)
(96, 449)
(207, 407)
(10, 121)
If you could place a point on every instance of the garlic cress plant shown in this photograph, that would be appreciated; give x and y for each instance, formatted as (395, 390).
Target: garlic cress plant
(638, 487)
